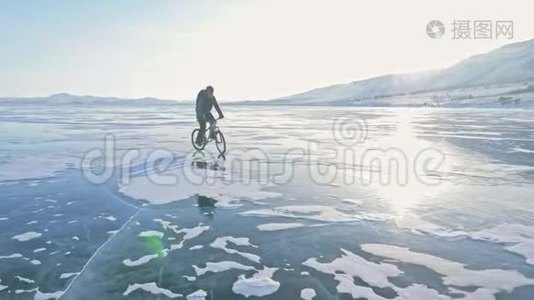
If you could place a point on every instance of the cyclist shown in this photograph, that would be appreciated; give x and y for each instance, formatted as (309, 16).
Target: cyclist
(205, 101)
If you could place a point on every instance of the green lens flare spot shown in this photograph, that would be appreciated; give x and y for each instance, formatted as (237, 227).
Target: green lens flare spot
(153, 244)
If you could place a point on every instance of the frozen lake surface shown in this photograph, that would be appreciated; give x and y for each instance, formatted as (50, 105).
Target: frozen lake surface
(308, 203)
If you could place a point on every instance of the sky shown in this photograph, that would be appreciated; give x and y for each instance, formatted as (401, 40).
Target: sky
(246, 49)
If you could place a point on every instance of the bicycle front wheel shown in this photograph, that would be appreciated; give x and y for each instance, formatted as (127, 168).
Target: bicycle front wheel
(194, 135)
(220, 142)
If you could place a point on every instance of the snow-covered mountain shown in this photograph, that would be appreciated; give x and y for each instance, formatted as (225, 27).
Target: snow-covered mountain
(510, 64)
(68, 99)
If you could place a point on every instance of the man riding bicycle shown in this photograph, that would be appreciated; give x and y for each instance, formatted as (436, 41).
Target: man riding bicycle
(205, 101)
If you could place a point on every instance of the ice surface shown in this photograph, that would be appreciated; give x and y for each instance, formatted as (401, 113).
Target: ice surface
(482, 205)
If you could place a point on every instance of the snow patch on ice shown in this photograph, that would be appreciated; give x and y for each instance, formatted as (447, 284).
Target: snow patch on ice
(522, 150)
(14, 255)
(259, 285)
(222, 243)
(454, 273)
(27, 236)
(216, 184)
(140, 261)
(25, 280)
(68, 275)
(278, 226)
(151, 233)
(189, 233)
(420, 226)
(221, 266)
(47, 296)
(30, 167)
(150, 287)
(307, 294)
(110, 218)
(316, 213)
(40, 295)
(352, 265)
(521, 236)
(349, 265)
(352, 201)
(198, 295)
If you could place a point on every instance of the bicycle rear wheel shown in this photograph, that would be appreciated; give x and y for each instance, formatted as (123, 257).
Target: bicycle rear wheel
(194, 135)
(220, 142)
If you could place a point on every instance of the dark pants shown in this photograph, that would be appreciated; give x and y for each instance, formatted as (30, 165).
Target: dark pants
(202, 119)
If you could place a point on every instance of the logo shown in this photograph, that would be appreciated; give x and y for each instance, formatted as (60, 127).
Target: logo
(435, 29)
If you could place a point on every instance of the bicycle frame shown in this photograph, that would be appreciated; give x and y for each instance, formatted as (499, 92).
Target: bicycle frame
(211, 134)
(211, 131)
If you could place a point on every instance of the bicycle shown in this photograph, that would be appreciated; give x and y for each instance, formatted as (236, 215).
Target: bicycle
(213, 133)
